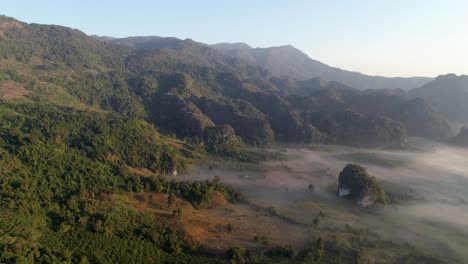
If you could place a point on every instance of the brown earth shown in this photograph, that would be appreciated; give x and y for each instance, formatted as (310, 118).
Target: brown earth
(178, 145)
(9, 25)
(12, 90)
(223, 225)
(140, 171)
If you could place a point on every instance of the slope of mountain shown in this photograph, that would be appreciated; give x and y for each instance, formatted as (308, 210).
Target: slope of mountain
(291, 62)
(448, 94)
(184, 87)
(326, 98)
(249, 78)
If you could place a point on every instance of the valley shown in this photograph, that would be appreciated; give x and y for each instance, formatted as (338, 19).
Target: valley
(425, 212)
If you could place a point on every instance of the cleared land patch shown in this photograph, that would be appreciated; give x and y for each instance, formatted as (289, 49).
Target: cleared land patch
(223, 225)
(12, 90)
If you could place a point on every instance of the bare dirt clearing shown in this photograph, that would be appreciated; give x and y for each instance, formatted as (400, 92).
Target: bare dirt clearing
(224, 224)
(12, 90)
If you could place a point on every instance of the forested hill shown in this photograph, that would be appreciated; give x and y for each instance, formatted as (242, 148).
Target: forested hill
(183, 87)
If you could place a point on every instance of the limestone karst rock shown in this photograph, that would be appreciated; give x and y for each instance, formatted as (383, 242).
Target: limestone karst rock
(356, 184)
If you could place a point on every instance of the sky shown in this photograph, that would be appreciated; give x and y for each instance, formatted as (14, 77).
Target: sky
(376, 37)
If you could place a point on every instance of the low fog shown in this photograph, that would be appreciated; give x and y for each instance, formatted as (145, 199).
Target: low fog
(429, 181)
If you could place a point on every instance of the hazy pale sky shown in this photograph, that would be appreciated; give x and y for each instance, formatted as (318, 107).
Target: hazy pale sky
(389, 38)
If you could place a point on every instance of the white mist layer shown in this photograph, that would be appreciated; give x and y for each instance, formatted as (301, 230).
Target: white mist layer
(435, 177)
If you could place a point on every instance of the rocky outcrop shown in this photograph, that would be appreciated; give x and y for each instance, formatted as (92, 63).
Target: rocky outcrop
(461, 139)
(221, 139)
(249, 123)
(285, 121)
(346, 127)
(354, 183)
(175, 115)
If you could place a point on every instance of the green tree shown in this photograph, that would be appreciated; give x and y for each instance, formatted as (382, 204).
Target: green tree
(177, 212)
(171, 200)
(236, 255)
(319, 249)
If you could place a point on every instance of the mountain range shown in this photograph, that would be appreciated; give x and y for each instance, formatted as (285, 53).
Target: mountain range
(284, 61)
(184, 87)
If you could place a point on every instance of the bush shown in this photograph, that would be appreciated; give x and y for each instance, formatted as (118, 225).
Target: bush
(236, 255)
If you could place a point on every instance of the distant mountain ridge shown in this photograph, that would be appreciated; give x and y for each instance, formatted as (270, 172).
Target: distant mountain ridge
(290, 61)
(448, 94)
(281, 61)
